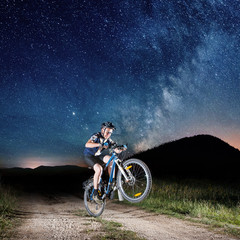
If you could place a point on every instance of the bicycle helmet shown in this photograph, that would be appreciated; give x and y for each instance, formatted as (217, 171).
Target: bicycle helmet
(108, 125)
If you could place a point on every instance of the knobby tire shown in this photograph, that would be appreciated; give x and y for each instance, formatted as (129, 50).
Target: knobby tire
(138, 189)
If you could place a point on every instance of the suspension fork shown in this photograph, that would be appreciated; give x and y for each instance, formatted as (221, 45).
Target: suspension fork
(116, 160)
(122, 170)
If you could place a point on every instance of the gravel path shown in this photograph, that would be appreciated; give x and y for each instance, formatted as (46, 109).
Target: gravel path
(54, 217)
(159, 227)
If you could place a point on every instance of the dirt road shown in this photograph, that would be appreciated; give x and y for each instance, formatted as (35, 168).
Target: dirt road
(44, 216)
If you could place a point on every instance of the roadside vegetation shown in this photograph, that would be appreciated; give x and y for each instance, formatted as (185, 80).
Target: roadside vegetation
(202, 201)
(109, 230)
(7, 203)
(114, 230)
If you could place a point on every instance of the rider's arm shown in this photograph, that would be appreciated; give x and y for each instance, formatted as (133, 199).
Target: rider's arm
(91, 144)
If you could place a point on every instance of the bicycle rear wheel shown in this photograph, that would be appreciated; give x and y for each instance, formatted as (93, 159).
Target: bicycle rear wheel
(140, 183)
(91, 206)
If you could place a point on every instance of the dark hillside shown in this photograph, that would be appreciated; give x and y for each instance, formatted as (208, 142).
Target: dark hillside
(197, 156)
(59, 178)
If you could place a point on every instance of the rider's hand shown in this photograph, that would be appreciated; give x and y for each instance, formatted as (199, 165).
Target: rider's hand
(117, 150)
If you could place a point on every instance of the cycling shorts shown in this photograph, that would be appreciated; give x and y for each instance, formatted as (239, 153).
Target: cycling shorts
(91, 160)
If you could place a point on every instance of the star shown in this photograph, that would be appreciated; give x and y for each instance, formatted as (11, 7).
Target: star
(158, 73)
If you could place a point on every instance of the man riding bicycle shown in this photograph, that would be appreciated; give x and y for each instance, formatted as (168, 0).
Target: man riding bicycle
(94, 157)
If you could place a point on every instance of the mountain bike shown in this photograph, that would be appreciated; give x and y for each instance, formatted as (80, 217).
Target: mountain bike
(133, 183)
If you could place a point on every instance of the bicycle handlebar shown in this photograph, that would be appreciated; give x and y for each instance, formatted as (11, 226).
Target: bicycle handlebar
(119, 147)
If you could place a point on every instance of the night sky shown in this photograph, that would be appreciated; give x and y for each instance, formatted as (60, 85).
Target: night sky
(159, 70)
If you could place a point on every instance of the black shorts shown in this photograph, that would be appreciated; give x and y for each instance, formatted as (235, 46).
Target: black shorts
(91, 160)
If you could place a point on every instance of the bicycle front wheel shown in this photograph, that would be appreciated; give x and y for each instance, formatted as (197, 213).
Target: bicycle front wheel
(91, 206)
(139, 186)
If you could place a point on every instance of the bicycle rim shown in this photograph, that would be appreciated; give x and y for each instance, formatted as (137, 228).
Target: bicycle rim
(140, 186)
(91, 206)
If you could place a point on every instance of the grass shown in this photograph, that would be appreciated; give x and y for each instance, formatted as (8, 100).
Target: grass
(199, 200)
(109, 230)
(7, 203)
(114, 231)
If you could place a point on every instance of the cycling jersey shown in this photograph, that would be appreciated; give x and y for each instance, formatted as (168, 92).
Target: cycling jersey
(97, 138)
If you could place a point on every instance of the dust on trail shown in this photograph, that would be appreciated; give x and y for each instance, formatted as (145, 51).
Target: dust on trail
(54, 217)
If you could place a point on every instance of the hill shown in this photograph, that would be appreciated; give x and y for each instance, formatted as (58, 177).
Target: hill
(197, 156)
(43, 178)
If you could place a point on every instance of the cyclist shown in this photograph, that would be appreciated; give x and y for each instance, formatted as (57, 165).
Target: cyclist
(94, 157)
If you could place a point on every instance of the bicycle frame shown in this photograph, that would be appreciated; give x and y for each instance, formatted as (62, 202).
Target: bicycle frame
(115, 161)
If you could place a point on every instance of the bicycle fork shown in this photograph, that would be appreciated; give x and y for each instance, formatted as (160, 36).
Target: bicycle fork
(127, 178)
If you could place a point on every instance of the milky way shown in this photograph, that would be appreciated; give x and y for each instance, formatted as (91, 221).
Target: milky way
(160, 70)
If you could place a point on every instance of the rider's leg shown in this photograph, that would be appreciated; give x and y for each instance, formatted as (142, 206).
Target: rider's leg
(105, 159)
(96, 178)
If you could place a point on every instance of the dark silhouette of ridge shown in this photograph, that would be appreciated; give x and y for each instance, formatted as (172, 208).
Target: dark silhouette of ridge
(197, 156)
(201, 156)
(47, 179)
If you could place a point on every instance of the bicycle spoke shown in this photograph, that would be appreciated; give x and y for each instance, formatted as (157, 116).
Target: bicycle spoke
(139, 185)
(92, 207)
